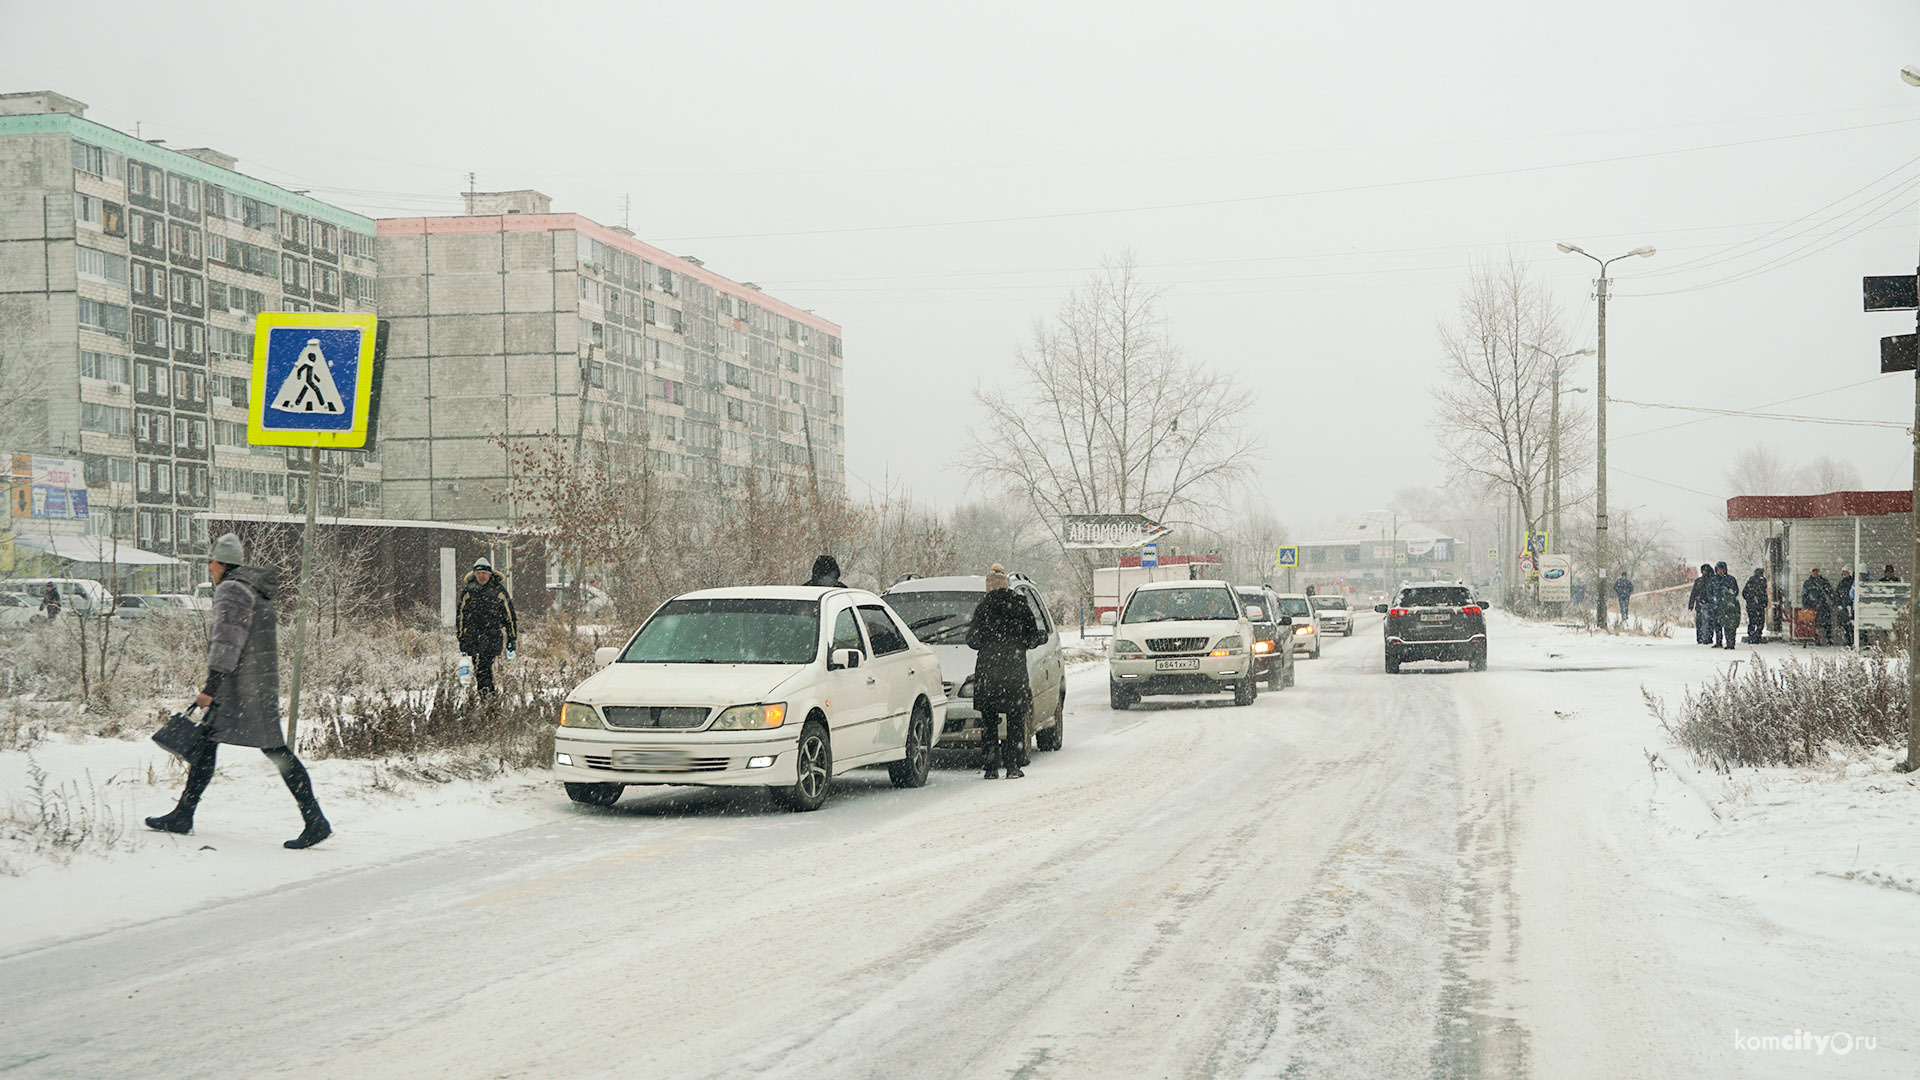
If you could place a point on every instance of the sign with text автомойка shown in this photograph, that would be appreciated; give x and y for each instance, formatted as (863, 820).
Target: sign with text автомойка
(313, 380)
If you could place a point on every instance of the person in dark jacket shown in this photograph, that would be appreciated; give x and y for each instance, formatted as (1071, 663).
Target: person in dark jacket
(1726, 618)
(1817, 593)
(484, 621)
(242, 691)
(1002, 631)
(1755, 594)
(1623, 590)
(50, 602)
(826, 573)
(1698, 604)
(1843, 608)
(1888, 574)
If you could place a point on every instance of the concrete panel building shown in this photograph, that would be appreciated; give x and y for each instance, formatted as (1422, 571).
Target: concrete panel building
(514, 321)
(130, 274)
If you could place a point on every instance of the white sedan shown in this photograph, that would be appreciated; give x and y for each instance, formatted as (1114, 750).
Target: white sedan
(784, 687)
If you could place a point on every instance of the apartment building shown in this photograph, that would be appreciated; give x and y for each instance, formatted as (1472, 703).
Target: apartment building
(514, 321)
(130, 274)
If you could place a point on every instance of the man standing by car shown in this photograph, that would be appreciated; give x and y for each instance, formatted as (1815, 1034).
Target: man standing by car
(484, 622)
(1002, 631)
(1623, 589)
(50, 602)
(242, 691)
(826, 573)
(1755, 594)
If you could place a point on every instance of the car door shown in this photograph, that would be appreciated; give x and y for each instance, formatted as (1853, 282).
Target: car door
(1045, 670)
(853, 696)
(895, 666)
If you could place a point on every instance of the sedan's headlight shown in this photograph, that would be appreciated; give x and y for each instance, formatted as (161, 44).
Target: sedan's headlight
(575, 715)
(751, 718)
(1303, 629)
(1123, 647)
(1233, 641)
(966, 688)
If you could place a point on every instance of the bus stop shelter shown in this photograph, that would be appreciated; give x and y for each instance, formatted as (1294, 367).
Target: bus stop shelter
(1861, 530)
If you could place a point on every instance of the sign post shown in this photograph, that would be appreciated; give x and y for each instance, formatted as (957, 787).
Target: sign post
(1902, 353)
(312, 387)
(1149, 556)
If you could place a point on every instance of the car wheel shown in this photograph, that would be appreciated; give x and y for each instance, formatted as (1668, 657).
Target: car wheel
(813, 768)
(1120, 700)
(1246, 690)
(1478, 662)
(1290, 675)
(1316, 650)
(595, 794)
(1393, 662)
(911, 771)
(1056, 736)
(1273, 675)
(1348, 632)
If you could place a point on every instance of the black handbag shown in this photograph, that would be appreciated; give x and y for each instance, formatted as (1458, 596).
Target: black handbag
(183, 737)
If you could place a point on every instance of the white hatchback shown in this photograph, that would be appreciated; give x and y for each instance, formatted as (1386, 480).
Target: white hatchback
(779, 686)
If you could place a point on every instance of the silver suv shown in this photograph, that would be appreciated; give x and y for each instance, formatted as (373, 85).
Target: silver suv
(939, 611)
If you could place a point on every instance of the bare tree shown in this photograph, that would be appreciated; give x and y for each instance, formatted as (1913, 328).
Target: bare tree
(1827, 474)
(1494, 411)
(1108, 417)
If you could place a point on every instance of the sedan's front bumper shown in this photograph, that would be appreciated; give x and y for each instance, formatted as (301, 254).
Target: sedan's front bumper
(585, 756)
(1213, 674)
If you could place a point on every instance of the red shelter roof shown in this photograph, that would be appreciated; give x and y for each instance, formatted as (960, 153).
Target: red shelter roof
(1835, 504)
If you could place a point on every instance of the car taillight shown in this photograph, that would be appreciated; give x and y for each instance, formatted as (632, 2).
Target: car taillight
(1399, 613)
(1470, 609)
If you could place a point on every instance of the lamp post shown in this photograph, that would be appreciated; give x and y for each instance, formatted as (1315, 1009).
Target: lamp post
(1911, 73)
(1553, 433)
(1600, 415)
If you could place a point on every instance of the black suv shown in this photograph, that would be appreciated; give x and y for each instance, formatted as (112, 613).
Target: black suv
(1435, 622)
(1272, 635)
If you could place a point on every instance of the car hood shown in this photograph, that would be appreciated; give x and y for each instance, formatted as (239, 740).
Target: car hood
(686, 684)
(1211, 629)
(956, 662)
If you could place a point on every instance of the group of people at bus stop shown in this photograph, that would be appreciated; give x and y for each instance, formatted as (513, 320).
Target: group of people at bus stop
(1718, 596)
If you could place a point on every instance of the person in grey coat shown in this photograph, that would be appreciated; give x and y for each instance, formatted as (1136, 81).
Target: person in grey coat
(242, 691)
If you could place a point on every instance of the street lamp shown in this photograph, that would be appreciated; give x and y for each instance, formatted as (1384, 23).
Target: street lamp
(1600, 415)
(1553, 433)
(1911, 73)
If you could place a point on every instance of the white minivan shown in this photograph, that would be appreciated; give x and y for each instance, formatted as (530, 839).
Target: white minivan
(782, 687)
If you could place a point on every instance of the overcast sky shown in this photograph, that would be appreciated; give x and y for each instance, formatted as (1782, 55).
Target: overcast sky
(935, 179)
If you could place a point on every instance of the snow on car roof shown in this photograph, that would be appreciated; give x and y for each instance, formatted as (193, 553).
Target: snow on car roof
(950, 583)
(767, 592)
(1195, 583)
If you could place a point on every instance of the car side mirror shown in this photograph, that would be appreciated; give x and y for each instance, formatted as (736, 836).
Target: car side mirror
(1381, 608)
(846, 659)
(1108, 618)
(1284, 620)
(606, 654)
(1257, 613)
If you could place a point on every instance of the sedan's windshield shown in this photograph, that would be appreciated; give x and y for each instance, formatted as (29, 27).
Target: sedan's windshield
(937, 618)
(745, 630)
(1169, 605)
(1293, 605)
(1322, 603)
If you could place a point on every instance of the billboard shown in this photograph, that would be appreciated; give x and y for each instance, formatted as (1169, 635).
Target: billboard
(1110, 531)
(46, 488)
(1556, 578)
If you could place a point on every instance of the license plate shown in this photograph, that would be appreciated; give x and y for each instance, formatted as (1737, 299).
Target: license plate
(1436, 618)
(1177, 665)
(650, 759)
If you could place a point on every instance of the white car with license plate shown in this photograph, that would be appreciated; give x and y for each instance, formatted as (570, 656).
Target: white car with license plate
(1333, 613)
(782, 687)
(1306, 623)
(1181, 637)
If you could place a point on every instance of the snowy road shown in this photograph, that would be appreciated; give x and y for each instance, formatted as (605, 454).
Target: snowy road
(1364, 876)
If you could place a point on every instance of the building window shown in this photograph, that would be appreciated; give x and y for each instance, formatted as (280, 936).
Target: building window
(102, 163)
(104, 318)
(183, 193)
(149, 329)
(185, 241)
(104, 366)
(104, 419)
(101, 265)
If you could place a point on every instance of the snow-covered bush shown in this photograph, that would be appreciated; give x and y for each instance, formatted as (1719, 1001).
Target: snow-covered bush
(1793, 712)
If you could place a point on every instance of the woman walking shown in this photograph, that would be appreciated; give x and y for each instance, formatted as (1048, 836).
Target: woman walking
(242, 691)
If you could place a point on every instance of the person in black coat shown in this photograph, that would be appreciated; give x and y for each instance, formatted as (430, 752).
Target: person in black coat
(484, 621)
(1002, 631)
(1701, 604)
(826, 573)
(1843, 608)
(1755, 594)
(50, 602)
(1726, 606)
(1623, 591)
(1817, 593)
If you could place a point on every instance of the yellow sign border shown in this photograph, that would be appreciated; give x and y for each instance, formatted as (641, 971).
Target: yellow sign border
(355, 438)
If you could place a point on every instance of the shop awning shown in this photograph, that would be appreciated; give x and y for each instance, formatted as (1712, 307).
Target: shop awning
(94, 550)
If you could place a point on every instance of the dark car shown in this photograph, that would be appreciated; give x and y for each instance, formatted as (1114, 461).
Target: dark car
(1435, 622)
(1272, 635)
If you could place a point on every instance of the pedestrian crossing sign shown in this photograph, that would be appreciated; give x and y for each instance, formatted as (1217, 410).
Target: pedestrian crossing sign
(1287, 555)
(313, 376)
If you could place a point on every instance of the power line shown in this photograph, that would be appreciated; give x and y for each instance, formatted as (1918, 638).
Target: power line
(1381, 185)
(1760, 415)
(1765, 405)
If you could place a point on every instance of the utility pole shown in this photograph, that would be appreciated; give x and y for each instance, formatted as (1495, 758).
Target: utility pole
(1600, 425)
(1911, 75)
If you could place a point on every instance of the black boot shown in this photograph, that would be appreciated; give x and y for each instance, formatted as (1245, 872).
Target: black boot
(301, 785)
(179, 821)
(1013, 771)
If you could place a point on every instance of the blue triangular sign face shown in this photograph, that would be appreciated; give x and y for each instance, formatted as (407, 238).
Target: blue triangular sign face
(309, 387)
